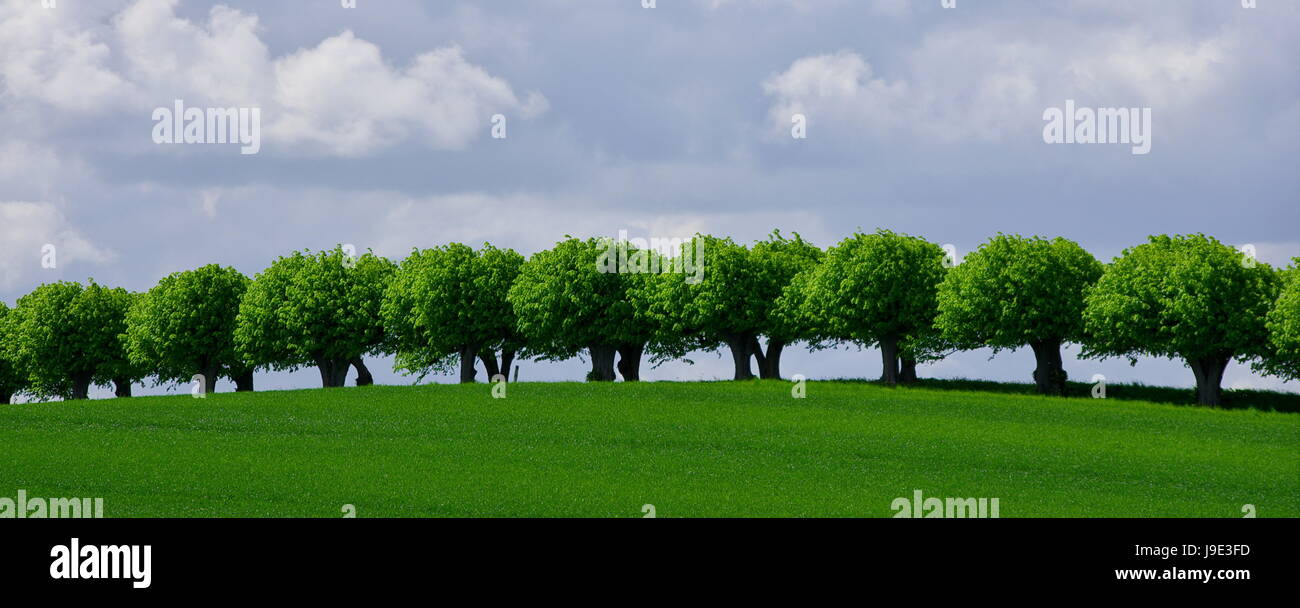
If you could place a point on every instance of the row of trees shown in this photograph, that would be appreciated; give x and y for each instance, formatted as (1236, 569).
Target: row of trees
(1185, 297)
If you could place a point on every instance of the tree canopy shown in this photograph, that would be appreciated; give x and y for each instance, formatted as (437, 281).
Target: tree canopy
(185, 326)
(1282, 355)
(319, 309)
(878, 289)
(1188, 297)
(566, 300)
(13, 378)
(1019, 291)
(736, 301)
(449, 304)
(66, 337)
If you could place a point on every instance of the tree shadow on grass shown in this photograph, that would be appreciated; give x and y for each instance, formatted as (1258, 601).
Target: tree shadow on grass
(1267, 401)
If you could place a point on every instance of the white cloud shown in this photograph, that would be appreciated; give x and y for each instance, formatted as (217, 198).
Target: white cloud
(834, 91)
(341, 97)
(47, 57)
(26, 227)
(993, 81)
(221, 62)
(33, 171)
(329, 95)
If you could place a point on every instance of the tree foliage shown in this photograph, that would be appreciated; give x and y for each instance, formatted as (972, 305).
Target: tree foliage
(1020, 291)
(1189, 297)
(449, 305)
(185, 325)
(736, 301)
(13, 378)
(878, 289)
(567, 301)
(1282, 355)
(66, 337)
(319, 309)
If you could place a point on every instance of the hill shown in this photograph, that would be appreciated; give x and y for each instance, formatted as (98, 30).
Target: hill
(690, 449)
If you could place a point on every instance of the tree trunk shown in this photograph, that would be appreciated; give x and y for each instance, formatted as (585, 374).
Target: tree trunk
(333, 372)
(1209, 378)
(602, 363)
(244, 382)
(1049, 376)
(489, 360)
(507, 359)
(741, 351)
(907, 369)
(467, 371)
(363, 373)
(81, 386)
(121, 387)
(629, 361)
(210, 374)
(769, 363)
(889, 361)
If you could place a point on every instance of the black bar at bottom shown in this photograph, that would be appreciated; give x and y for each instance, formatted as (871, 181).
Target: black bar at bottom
(238, 556)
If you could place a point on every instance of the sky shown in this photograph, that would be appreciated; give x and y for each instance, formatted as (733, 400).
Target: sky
(376, 130)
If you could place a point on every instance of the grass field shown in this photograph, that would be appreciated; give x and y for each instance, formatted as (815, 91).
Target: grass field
(690, 449)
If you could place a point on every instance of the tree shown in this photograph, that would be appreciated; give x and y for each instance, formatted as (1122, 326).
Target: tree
(120, 369)
(449, 305)
(1282, 356)
(1019, 291)
(566, 300)
(778, 261)
(185, 325)
(726, 307)
(66, 337)
(735, 302)
(1187, 297)
(878, 289)
(317, 309)
(13, 378)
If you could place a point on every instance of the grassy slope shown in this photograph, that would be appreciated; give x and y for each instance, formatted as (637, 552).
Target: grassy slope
(691, 449)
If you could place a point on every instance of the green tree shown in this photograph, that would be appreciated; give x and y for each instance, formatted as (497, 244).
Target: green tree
(878, 289)
(778, 261)
(67, 338)
(796, 316)
(735, 302)
(1019, 291)
(448, 305)
(1187, 297)
(722, 308)
(320, 309)
(185, 325)
(1282, 356)
(13, 378)
(570, 298)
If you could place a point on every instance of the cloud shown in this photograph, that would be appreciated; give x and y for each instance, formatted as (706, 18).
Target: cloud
(341, 97)
(46, 57)
(328, 95)
(991, 82)
(26, 228)
(834, 90)
(222, 62)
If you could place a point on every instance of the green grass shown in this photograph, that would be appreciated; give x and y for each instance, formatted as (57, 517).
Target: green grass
(690, 449)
